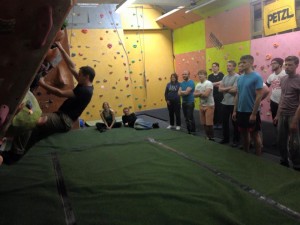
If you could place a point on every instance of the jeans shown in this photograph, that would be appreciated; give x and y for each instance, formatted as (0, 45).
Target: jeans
(188, 112)
(227, 117)
(174, 109)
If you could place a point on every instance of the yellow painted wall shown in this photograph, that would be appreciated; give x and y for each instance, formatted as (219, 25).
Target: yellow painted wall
(111, 67)
(228, 52)
(189, 38)
(149, 51)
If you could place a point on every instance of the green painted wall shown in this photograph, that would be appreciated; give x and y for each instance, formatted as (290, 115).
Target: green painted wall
(228, 52)
(189, 38)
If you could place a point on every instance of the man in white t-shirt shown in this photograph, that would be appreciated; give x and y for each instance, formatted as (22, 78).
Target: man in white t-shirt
(273, 82)
(204, 90)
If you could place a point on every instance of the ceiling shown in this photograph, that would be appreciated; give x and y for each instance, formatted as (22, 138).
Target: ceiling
(181, 18)
(166, 5)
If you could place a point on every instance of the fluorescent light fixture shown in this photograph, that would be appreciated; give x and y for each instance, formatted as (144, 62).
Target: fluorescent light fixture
(169, 13)
(87, 4)
(123, 5)
(200, 6)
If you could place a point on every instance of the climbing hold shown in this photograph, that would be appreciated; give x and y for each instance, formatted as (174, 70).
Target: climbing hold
(80, 54)
(101, 38)
(102, 86)
(159, 78)
(275, 45)
(110, 65)
(110, 73)
(104, 80)
(127, 85)
(117, 97)
(128, 96)
(73, 54)
(124, 64)
(107, 31)
(101, 15)
(120, 105)
(109, 46)
(268, 56)
(262, 67)
(134, 46)
(140, 106)
(126, 78)
(121, 89)
(113, 87)
(84, 31)
(132, 61)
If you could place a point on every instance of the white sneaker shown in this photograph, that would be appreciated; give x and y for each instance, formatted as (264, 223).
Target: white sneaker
(169, 127)
(177, 127)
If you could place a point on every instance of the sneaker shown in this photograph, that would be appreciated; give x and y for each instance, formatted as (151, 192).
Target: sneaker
(170, 127)
(224, 141)
(155, 125)
(177, 127)
(234, 144)
(284, 163)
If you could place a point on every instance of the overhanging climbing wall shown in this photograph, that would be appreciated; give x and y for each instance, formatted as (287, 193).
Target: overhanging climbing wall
(26, 33)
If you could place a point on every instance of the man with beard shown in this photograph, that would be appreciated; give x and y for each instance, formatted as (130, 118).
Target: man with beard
(186, 91)
(289, 106)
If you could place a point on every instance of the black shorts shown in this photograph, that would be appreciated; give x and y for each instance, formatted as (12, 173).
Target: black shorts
(243, 121)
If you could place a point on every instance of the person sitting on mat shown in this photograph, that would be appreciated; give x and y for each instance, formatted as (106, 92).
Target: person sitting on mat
(108, 117)
(130, 120)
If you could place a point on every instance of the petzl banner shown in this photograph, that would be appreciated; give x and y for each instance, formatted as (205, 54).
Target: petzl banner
(279, 16)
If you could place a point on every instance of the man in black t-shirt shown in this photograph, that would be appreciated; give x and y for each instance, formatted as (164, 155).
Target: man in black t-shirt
(216, 78)
(130, 120)
(62, 120)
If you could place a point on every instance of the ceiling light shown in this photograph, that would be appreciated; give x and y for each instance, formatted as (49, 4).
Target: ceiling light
(123, 5)
(169, 13)
(200, 6)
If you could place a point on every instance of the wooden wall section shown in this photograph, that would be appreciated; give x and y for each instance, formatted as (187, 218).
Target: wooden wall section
(230, 26)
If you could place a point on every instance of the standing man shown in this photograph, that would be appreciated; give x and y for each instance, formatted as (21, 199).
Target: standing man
(247, 104)
(273, 81)
(186, 91)
(216, 78)
(289, 106)
(204, 90)
(228, 88)
(63, 119)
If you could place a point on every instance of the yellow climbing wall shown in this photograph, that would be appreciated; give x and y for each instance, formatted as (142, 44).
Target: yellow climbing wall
(150, 55)
(101, 49)
(131, 54)
(151, 64)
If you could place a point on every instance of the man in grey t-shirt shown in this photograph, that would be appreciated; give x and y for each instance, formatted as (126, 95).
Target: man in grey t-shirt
(228, 88)
(289, 106)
